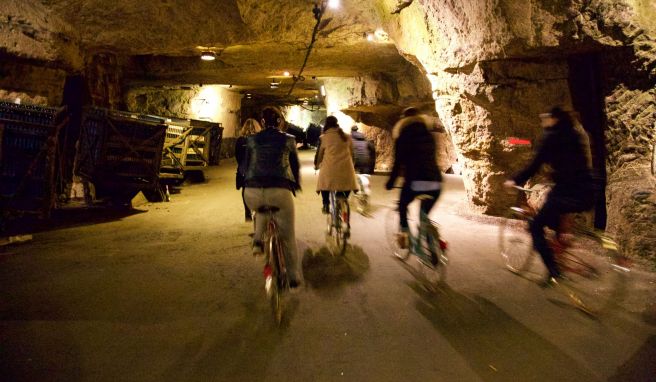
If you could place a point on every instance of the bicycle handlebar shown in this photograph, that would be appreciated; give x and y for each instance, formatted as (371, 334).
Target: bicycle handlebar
(527, 190)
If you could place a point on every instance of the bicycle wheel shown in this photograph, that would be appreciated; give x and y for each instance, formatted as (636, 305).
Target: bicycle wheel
(515, 245)
(343, 230)
(363, 203)
(594, 282)
(279, 276)
(391, 231)
(435, 272)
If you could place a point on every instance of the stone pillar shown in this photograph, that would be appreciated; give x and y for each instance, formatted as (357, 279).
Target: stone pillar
(483, 106)
(104, 75)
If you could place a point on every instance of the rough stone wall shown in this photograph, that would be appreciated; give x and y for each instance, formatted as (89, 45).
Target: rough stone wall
(374, 103)
(213, 103)
(103, 73)
(29, 30)
(37, 49)
(301, 116)
(482, 108)
(495, 64)
(31, 82)
(630, 137)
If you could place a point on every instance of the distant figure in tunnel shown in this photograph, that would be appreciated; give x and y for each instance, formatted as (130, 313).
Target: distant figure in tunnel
(250, 127)
(414, 158)
(364, 152)
(334, 160)
(563, 147)
(271, 179)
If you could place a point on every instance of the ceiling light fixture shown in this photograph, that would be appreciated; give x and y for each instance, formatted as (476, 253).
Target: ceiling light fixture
(208, 56)
(333, 4)
(370, 37)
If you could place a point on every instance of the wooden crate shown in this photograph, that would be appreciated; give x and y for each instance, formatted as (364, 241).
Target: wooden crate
(120, 153)
(191, 145)
(28, 158)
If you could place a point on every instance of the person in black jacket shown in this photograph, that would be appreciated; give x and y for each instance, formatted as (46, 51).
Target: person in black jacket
(563, 148)
(272, 179)
(415, 156)
(364, 152)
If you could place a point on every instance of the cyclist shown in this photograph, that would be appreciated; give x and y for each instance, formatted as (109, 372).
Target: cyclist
(415, 156)
(563, 148)
(364, 152)
(335, 163)
(272, 179)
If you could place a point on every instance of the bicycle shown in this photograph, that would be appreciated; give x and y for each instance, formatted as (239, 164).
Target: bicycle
(362, 196)
(338, 221)
(424, 242)
(592, 280)
(276, 282)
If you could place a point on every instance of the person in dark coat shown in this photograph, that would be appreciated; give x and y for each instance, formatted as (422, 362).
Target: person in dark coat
(564, 149)
(364, 152)
(272, 178)
(414, 156)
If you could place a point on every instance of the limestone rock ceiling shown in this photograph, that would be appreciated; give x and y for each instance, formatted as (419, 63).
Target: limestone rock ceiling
(253, 39)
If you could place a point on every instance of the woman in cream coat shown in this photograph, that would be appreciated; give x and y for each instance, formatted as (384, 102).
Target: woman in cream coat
(334, 160)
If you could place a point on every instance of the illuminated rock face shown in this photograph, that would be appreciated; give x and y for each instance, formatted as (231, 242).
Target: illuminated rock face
(210, 103)
(494, 65)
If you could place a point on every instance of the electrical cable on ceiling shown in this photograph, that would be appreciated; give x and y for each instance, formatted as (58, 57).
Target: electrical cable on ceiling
(318, 12)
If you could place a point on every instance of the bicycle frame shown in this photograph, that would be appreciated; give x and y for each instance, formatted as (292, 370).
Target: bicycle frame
(561, 243)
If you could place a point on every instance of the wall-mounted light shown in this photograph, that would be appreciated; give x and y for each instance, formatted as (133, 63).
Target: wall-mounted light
(333, 4)
(286, 74)
(323, 91)
(370, 37)
(208, 56)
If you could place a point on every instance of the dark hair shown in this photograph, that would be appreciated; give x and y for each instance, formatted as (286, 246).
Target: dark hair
(563, 117)
(271, 117)
(331, 123)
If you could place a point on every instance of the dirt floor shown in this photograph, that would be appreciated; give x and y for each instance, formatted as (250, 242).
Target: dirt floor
(170, 292)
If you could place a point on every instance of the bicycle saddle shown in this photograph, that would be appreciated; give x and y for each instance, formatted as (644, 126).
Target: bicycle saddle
(267, 209)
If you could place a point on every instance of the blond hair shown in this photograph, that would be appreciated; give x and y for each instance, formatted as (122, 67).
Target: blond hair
(250, 127)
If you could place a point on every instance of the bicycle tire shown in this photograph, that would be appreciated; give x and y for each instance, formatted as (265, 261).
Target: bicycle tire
(391, 230)
(343, 230)
(435, 274)
(281, 281)
(515, 245)
(592, 283)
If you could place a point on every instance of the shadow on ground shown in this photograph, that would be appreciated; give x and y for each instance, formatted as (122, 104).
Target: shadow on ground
(496, 346)
(328, 273)
(66, 218)
(640, 367)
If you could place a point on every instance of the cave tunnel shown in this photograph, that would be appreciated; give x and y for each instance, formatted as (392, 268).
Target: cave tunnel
(124, 249)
